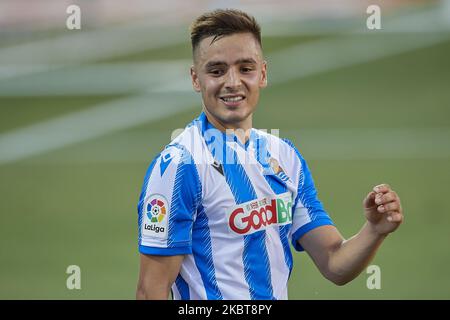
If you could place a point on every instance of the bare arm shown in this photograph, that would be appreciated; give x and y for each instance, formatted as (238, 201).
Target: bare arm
(156, 276)
(341, 260)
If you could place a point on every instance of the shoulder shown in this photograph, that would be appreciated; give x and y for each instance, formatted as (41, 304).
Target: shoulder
(177, 154)
(173, 168)
(184, 147)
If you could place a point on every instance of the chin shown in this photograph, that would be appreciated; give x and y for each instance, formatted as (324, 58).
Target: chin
(236, 117)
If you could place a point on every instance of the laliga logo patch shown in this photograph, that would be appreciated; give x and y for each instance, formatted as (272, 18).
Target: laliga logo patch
(260, 214)
(156, 210)
(155, 219)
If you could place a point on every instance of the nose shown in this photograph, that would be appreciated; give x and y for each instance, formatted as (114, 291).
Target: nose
(233, 79)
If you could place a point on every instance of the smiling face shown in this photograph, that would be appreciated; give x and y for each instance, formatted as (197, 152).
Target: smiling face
(229, 73)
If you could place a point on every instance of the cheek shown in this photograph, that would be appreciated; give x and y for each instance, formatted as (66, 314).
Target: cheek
(254, 81)
(211, 86)
(254, 86)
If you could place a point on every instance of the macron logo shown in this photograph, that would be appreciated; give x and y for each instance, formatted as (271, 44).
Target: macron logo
(165, 161)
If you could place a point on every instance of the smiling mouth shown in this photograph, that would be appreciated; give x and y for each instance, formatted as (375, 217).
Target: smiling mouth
(232, 100)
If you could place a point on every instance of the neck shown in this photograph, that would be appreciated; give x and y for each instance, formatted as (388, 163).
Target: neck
(242, 129)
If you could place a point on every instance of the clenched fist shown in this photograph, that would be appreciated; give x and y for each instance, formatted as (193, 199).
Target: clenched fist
(383, 209)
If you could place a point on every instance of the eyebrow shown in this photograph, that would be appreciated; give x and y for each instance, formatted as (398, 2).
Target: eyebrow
(211, 64)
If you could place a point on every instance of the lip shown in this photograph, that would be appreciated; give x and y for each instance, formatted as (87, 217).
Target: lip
(232, 103)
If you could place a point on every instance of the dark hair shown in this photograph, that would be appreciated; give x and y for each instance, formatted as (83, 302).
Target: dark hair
(223, 22)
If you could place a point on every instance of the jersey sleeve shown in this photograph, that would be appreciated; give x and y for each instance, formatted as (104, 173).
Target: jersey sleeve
(308, 211)
(168, 203)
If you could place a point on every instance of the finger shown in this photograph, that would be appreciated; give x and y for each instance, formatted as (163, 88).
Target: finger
(381, 198)
(391, 206)
(369, 201)
(382, 188)
(395, 217)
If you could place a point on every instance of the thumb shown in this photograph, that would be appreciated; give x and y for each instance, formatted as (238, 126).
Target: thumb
(369, 201)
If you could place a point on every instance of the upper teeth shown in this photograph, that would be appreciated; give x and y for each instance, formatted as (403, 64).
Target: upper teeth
(233, 99)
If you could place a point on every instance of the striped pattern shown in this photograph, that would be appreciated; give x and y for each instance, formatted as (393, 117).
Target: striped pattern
(203, 255)
(256, 262)
(220, 263)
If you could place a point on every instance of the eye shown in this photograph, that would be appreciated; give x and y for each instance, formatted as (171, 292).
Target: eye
(246, 69)
(216, 72)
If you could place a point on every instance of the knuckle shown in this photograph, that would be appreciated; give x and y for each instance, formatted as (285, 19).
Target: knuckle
(395, 196)
(392, 206)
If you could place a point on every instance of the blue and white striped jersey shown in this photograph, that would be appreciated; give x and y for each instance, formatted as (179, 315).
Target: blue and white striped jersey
(231, 209)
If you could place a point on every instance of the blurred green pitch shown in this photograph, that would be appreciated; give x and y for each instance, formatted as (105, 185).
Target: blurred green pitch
(77, 205)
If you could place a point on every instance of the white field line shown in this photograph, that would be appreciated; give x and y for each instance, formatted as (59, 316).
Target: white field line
(85, 46)
(316, 57)
(323, 56)
(75, 48)
(372, 143)
(88, 124)
(51, 59)
(314, 144)
(303, 60)
(99, 79)
(312, 58)
(336, 53)
(430, 20)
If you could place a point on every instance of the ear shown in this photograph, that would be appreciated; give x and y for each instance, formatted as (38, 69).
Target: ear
(263, 80)
(195, 80)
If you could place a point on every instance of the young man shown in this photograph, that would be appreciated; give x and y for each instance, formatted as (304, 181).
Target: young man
(220, 205)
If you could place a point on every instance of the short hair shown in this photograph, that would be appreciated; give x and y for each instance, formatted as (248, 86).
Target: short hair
(223, 22)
